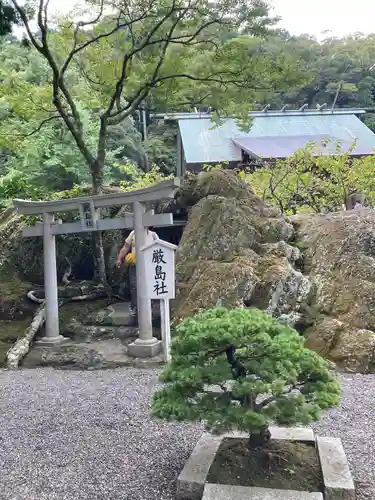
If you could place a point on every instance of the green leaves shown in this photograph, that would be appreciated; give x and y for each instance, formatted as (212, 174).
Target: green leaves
(241, 369)
(138, 179)
(39, 146)
(309, 182)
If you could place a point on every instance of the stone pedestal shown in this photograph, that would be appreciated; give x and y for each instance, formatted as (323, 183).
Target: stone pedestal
(192, 482)
(145, 348)
(46, 341)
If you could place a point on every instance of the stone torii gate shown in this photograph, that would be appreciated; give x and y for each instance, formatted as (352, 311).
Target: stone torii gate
(146, 345)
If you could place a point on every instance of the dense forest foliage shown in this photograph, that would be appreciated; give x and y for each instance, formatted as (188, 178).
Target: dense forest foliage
(72, 92)
(72, 89)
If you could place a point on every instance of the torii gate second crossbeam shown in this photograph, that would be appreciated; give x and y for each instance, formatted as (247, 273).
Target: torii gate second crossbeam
(146, 345)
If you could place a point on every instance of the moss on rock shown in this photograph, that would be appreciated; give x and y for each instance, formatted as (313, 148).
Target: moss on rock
(339, 257)
(234, 249)
(214, 283)
(237, 251)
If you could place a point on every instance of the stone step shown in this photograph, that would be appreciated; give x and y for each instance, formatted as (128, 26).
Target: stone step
(226, 492)
(118, 314)
(95, 355)
(79, 331)
(88, 333)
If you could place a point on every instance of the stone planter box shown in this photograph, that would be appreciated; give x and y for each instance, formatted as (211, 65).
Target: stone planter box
(338, 483)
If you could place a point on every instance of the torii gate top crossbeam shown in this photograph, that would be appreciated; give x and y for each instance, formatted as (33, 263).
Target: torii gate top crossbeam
(160, 191)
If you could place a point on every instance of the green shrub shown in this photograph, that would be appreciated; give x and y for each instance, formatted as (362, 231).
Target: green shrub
(240, 369)
(137, 179)
(15, 185)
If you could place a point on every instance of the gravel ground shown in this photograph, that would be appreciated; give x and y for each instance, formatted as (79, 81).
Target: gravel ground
(68, 435)
(354, 423)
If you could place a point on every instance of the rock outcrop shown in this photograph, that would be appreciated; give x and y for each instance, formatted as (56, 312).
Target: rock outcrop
(235, 250)
(339, 258)
(314, 272)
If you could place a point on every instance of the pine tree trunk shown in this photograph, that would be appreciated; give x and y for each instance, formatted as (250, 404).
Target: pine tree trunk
(260, 439)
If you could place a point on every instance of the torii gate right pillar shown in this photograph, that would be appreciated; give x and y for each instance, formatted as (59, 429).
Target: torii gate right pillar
(146, 345)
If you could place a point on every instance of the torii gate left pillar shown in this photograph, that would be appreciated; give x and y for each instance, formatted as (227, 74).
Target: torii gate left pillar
(50, 283)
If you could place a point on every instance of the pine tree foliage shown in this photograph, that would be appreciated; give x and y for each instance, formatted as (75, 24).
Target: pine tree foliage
(240, 369)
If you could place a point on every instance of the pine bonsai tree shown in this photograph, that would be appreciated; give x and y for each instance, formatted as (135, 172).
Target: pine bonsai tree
(240, 369)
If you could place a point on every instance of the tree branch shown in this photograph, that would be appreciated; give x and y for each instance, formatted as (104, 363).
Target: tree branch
(166, 41)
(38, 128)
(73, 123)
(25, 21)
(273, 398)
(140, 95)
(146, 42)
(76, 49)
(81, 24)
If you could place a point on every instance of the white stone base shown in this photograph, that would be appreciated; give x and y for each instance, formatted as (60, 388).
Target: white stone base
(145, 349)
(224, 492)
(338, 483)
(45, 341)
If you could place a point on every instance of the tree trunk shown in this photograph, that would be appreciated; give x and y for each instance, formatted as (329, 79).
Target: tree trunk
(22, 346)
(100, 275)
(96, 236)
(259, 439)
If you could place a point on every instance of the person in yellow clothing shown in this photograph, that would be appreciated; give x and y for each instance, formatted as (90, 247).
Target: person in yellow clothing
(127, 254)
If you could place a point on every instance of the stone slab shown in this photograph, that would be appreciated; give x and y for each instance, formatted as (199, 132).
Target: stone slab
(337, 478)
(119, 315)
(225, 492)
(100, 354)
(191, 481)
(302, 434)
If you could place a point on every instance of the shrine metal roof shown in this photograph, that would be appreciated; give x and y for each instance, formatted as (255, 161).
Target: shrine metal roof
(280, 132)
(284, 146)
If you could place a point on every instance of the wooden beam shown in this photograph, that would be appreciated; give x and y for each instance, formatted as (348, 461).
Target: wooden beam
(162, 190)
(127, 222)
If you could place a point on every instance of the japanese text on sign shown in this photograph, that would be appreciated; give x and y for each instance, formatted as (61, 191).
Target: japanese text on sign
(160, 287)
(160, 270)
(87, 216)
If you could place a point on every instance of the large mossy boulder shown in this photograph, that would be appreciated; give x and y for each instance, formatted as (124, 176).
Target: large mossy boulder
(314, 272)
(235, 251)
(339, 258)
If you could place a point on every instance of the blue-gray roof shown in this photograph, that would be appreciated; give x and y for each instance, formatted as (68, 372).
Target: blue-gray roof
(283, 146)
(205, 143)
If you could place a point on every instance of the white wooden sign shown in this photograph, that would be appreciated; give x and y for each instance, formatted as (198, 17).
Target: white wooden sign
(159, 259)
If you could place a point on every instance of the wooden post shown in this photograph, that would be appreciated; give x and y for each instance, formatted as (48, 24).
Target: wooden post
(159, 257)
(166, 329)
